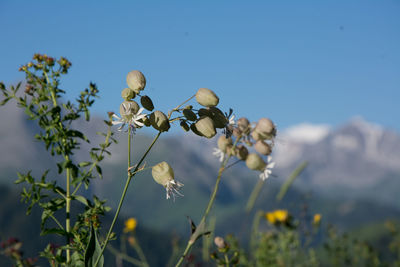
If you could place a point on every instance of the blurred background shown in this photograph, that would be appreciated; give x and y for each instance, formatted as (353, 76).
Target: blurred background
(327, 73)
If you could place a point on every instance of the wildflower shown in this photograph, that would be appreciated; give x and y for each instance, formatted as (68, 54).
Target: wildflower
(163, 174)
(317, 219)
(220, 242)
(281, 215)
(130, 225)
(263, 147)
(268, 169)
(159, 121)
(265, 129)
(219, 153)
(134, 120)
(270, 217)
(205, 126)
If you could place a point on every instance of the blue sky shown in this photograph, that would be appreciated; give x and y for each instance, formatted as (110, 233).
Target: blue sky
(292, 61)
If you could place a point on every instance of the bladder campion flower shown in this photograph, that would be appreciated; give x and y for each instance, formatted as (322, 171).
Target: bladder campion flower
(134, 120)
(136, 81)
(130, 225)
(268, 169)
(163, 174)
(206, 97)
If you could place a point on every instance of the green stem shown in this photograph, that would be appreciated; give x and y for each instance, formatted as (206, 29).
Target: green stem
(124, 256)
(226, 259)
(128, 180)
(68, 210)
(140, 253)
(57, 222)
(254, 194)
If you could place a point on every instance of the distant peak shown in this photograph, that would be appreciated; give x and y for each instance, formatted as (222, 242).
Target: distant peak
(307, 132)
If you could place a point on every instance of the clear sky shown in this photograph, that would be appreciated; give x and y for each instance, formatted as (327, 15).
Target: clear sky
(293, 61)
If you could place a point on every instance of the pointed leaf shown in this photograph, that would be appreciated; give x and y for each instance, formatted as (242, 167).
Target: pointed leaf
(93, 251)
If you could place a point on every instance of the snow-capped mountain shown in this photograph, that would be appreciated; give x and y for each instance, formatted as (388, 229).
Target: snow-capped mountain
(358, 159)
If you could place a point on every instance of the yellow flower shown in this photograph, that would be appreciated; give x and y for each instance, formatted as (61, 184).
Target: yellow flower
(317, 218)
(130, 225)
(281, 215)
(270, 217)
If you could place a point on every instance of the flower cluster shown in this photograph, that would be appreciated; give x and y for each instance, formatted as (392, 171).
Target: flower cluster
(278, 217)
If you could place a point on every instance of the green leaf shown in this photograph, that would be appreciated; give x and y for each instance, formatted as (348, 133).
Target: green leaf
(81, 199)
(84, 163)
(93, 250)
(77, 260)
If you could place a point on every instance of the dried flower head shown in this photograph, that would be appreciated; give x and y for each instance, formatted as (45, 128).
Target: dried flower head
(163, 174)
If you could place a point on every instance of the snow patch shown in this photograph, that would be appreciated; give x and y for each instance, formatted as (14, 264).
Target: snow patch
(307, 133)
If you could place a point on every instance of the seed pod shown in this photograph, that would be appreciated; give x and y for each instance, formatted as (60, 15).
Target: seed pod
(205, 126)
(159, 121)
(127, 109)
(136, 81)
(184, 126)
(223, 142)
(243, 125)
(265, 128)
(204, 112)
(255, 135)
(147, 103)
(241, 152)
(263, 148)
(218, 117)
(162, 173)
(206, 97)
(128, 94)
(189, 114)
(255, 162)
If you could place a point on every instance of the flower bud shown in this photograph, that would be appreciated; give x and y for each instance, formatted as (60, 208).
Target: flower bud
(162, 173)
(255, 162)
(243, 125)
(205, 126)
(184, 126)
(189, 114)
(265, 129)
(241, 152)
(263, 148)
(223, 142)
(146, 121)
(206, 97)
(220, 242)
(159, 121)
(147, 103)
(136, 81)
(127, 109)
(128, 94)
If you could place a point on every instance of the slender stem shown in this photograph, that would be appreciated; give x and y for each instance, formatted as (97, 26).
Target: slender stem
(254, 194)
(211, 201)
(140, 253)
(124, 256)
(128, 180)
(68, 210)
(57, 222)
(226, 259)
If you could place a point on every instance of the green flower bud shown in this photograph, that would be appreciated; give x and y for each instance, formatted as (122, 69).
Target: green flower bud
(189, 114)
(205, 127)
(147, 103)
(162, 173)
(127, 109)
(243, 125)
(263, 148)
(136, 81)
(265, 129)
(184, 126)
(159, 121)
(218, 117)
(255, 162)
(206, 97)
(241, 152)
(128, 94)
(223, 142)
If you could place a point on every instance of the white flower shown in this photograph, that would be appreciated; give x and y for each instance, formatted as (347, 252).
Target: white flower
(172, 189)
(268, 169)
(133, 121)
(219, 153)
(232, 120)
